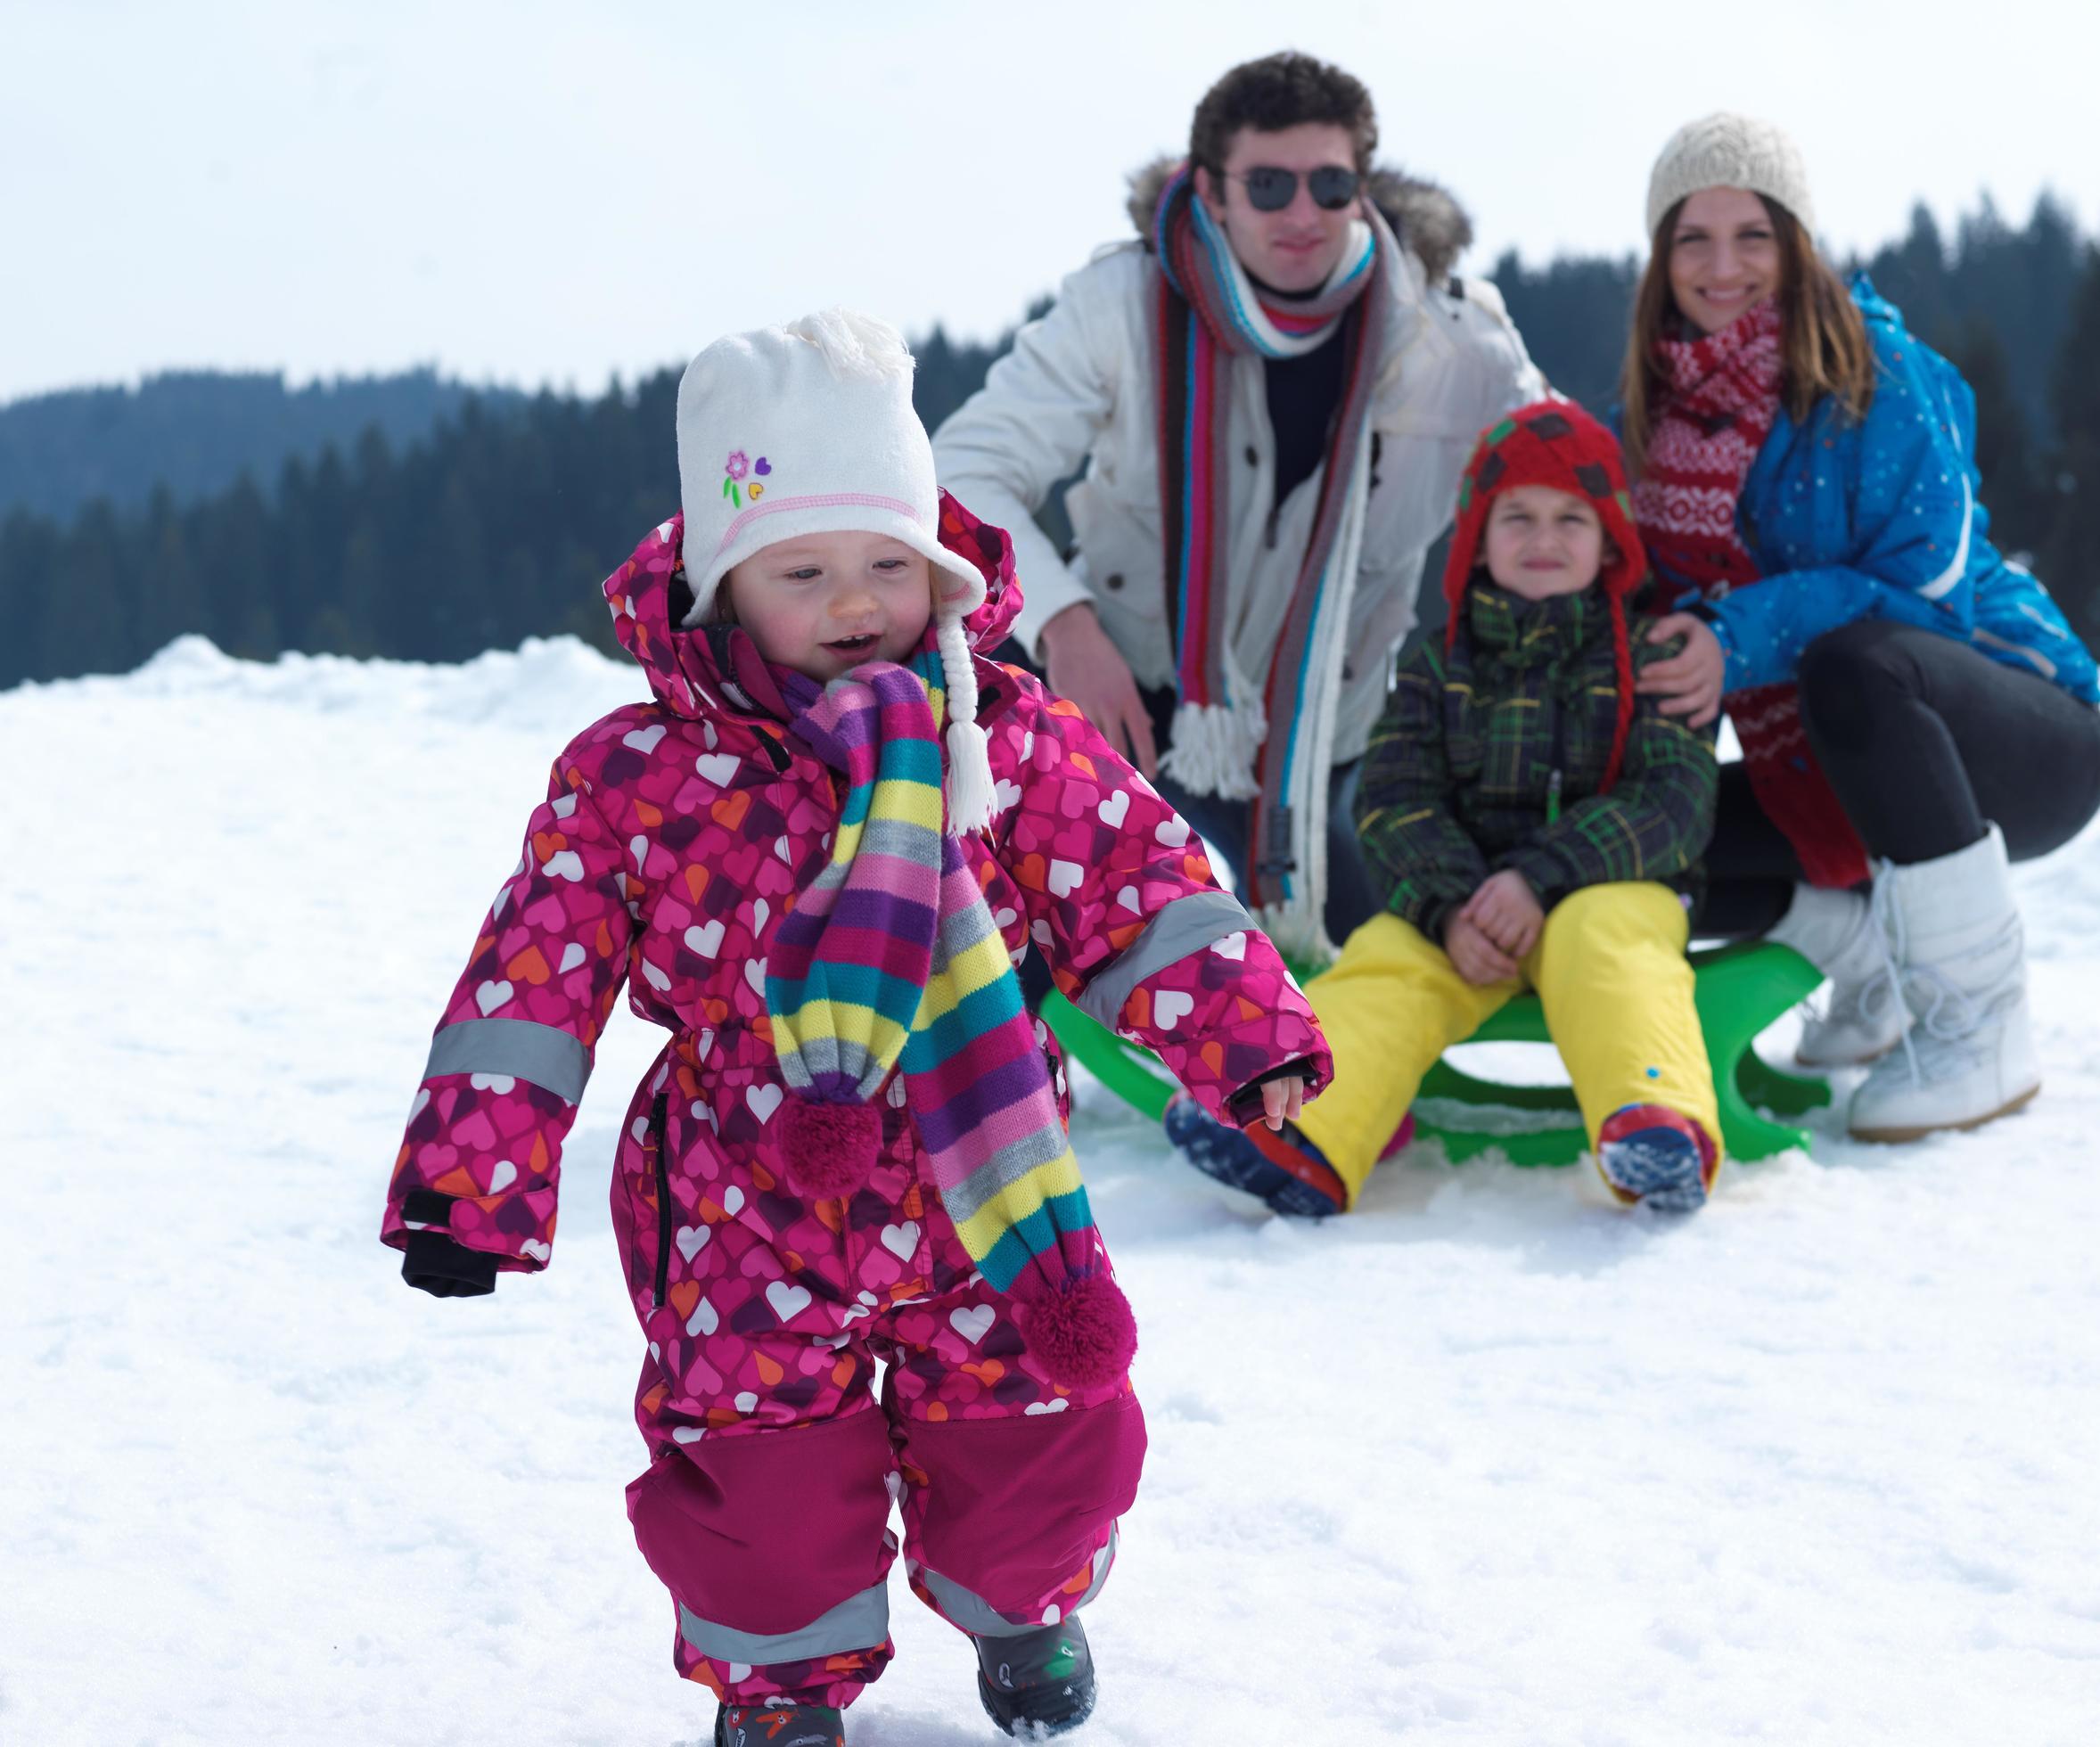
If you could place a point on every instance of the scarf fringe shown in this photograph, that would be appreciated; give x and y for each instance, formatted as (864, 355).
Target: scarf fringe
(1213, 750)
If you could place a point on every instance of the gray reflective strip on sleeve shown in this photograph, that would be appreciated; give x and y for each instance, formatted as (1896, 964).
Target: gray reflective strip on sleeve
(545, 1054)
(970, 1610)
(859, 1622)
(1176, 930)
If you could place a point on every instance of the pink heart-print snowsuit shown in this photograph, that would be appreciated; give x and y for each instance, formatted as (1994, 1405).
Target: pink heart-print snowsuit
(675, 836)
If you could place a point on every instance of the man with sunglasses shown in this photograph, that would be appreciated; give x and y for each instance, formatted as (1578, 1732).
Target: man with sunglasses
(1272, 391)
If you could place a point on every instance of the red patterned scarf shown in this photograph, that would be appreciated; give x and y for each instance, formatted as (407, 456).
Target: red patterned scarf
(1722, 398)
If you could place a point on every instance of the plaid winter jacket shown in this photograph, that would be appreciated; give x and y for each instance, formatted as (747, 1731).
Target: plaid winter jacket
(1491, 758)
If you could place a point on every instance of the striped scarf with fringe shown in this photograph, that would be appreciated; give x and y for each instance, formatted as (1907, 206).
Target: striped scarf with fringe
(890, 959)
(1257, 724)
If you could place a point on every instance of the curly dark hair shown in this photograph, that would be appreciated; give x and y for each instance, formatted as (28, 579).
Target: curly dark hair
(1276, 91)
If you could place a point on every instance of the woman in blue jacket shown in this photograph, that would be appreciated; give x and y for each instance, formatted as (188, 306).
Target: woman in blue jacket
(1913, 709)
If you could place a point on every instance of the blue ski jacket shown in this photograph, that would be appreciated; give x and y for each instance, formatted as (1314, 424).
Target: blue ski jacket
(1877, 518)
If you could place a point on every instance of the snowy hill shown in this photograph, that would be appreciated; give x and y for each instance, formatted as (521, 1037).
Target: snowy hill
(1491, 1462)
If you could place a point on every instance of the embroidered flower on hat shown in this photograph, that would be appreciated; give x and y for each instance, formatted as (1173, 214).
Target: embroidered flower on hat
(739, 467)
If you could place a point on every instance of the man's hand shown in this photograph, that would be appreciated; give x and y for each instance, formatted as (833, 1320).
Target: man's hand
(1280, 1098)
(1506, 912)
(1080, 663)
(1479, 959)
(1689, 683)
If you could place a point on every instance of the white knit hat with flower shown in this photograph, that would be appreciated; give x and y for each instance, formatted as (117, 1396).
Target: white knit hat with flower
(809, 429)
(1726, 151)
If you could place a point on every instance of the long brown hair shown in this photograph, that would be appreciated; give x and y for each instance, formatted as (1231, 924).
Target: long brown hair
(1822, 336)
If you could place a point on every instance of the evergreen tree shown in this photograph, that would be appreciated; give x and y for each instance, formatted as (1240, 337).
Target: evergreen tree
(196, 431)
(2072, 557)
(499, 522)
(1574, 315)
(1913, 275)
(2011, 487)
(171, 596)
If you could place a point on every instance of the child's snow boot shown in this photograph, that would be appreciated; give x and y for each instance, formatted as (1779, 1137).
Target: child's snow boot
(1279, 1166)
(1656, 1157)
(1954, 932)
(779, 1726)
(1040, 1682)
(1865, 1017)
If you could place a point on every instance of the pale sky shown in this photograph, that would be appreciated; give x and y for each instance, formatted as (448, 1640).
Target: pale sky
(536, 192)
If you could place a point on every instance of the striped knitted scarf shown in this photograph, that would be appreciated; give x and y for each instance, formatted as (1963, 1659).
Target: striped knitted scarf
(1206, 314)
(890, 959)
(1721, 400)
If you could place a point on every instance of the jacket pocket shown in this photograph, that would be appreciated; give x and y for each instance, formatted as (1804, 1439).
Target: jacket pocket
(1117, 553)
(659, 1167)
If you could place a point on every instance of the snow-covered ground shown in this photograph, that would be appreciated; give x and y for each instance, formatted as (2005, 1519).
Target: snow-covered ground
(1490, 1462)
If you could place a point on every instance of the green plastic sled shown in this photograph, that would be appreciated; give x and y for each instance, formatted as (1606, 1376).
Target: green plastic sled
(1739, 991)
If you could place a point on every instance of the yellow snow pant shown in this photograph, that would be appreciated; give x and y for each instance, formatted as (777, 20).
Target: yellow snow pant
(1611, 972)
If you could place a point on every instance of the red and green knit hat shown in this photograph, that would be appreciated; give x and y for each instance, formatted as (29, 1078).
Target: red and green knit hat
(1555, 443)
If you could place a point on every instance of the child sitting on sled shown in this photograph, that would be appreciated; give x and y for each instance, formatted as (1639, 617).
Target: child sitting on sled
(1535, 824)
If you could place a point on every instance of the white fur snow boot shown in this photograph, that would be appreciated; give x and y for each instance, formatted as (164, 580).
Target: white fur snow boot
(1864, 1016)
(1954, 936)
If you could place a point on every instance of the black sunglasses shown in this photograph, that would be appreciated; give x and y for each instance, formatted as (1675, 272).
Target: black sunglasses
(1270, 190)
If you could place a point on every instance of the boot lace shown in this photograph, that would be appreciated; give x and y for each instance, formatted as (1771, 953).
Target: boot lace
(1945, 1016)
(1861, 1002)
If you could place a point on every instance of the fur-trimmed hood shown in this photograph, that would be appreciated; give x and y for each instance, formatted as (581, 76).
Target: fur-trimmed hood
(1428, 220)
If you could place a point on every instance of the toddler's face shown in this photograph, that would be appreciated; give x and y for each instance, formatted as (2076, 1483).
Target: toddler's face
(826, 604)
(1541, 542)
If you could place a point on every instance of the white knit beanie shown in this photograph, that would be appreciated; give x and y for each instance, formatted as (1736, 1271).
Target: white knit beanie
(809, 429)
(1728, 151)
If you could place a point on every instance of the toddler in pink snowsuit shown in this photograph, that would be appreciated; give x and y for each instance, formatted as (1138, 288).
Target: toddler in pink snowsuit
(813, 858)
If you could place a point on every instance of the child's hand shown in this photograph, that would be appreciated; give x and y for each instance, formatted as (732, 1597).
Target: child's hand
(1479, 959)
(1280, 1098)
(1505, 910)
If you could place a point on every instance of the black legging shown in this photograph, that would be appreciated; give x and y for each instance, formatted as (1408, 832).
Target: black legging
(1925, 741)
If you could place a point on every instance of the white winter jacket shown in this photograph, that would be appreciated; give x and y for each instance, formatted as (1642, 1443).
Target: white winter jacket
(1079, 387)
